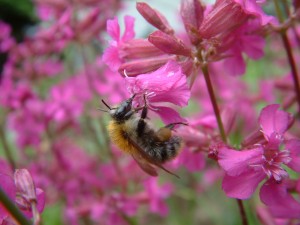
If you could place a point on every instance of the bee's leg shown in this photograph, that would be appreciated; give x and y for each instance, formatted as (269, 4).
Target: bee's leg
(165, 133)
(129, 114)
(142, 123)
(172, 125)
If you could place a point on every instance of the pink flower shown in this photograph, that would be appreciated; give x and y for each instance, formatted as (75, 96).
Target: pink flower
(165, 85)
(157, 195)
(6, 41)
(111, 55)
(245, 169)
(29, 123)
(66, 102)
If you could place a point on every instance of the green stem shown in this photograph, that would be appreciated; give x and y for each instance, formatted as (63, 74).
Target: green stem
(12, 209)
(214, 102)
(6, 148)
(221, 129)
(290, 56)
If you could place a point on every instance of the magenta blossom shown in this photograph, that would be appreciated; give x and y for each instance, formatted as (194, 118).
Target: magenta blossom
(245, 169)
(6, 41)
(166, 85)
(157, 195)
(111, 55)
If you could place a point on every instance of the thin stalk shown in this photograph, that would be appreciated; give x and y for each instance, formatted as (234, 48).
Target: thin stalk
(242, 211)
(290, 56)
(221, 129)
(12, 209)
(214, 102)
(6, 148)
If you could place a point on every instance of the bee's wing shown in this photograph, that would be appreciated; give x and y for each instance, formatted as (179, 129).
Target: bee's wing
(144, 165)
(145, 161)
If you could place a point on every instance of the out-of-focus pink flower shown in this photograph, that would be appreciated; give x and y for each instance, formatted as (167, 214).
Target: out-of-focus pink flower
(29, 123)
(245, 169)
(15, 96)
(111, 55)
(66, 102)
(192, 161)
(157, 195)
(6, 41)
(110, 86)
(165, 85)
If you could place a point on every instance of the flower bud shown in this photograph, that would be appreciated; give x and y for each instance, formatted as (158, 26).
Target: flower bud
(224, 18)
(137, 67)
(191, 12)
(25, 185)
(169, 44)
(137, 49)
(154, 17)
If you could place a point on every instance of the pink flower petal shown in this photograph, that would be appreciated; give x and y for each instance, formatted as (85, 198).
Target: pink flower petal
(235, 65)
(293, 146)
(169, 115)
(251, 7)
(242, 186)
(129, 31)
(113, 28)
(236, 162)
(279, 201)
(253, 46)
(111, 58)
(273, 120)
(193, 161)
(167, 84)
(41, 199)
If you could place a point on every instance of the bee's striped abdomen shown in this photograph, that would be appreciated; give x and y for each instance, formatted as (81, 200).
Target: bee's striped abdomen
(163, 151)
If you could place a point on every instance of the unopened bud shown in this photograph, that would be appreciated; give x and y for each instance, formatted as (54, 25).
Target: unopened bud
(137, 67)
(154, 17)
(25, 185)
(169, 44)
(191, 12)
(139, 48)
(223, 19)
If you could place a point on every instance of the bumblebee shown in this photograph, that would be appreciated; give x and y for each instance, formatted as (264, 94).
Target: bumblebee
(133, 134)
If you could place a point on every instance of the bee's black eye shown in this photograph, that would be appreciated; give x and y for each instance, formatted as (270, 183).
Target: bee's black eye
(122, 111)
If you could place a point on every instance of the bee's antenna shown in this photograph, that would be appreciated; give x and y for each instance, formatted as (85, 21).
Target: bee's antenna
(133, 96)
(105, 104)
(103, 110)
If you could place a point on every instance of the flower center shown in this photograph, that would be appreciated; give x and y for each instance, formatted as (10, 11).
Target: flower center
(272, 163)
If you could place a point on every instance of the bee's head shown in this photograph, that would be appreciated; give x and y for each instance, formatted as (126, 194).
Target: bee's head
(123, 111)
